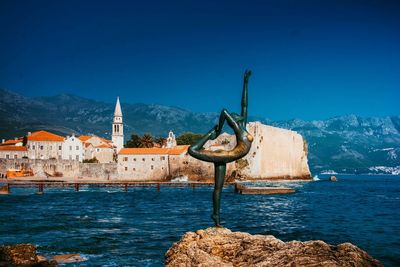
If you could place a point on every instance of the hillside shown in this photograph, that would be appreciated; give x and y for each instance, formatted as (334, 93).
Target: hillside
(349, 144)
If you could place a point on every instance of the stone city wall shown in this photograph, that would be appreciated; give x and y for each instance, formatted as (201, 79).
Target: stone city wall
(62, 168)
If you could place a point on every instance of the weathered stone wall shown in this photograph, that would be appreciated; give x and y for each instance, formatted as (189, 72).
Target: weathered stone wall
(275, 154)
(68, 168)
(138, 167)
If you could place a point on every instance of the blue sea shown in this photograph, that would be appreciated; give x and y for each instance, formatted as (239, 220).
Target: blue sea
(110, 227)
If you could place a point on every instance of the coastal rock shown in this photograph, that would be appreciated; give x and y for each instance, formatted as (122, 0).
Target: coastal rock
(68, 258)
(221, 247)
(333, 178)
(22, 255)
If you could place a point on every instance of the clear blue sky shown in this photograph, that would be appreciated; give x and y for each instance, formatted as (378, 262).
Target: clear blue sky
(310, 59)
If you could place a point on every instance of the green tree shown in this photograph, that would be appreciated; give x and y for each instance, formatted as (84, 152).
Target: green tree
(135, 141)
(160, 141)
(146, 140)
(188, 138)
(25, 140)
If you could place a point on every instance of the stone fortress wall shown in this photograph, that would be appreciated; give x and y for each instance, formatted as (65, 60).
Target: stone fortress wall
(69, 169)
(275, 154)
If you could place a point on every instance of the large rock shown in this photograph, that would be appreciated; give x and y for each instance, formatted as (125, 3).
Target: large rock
(23, 255)
(221, 247)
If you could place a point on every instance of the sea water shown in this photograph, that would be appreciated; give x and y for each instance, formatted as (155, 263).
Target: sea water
(110, 227)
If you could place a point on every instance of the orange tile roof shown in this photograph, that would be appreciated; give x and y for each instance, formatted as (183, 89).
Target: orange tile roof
(143, 151)
(104, 146)
(87, 144)
(105, 140)
(178, 150)
(11, 142)
(45, 136)
(154, 151)
(13, 148)
(84, 138)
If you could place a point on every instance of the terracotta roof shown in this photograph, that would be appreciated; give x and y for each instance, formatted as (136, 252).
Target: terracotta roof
(105, 140)
(104, 146)
(178, 150)
(87, 144)
(154, 151)
(11, 142)
(45, 136)
(13, 148)
(84, 138)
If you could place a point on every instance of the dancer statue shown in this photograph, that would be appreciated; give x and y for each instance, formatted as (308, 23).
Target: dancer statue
(221, 157)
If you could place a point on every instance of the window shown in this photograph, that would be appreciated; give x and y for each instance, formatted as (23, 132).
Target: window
(77, 147)
(59, 156)
(134, 169)
(7, 156)
(33, 147)
(143, 159)
(59, 147)
(134, 159)
(125, 159)
(152, 159)
(70, 147)
(162, 158)
(41, 147)
(77, 157)
(152, 167)
(51, 147)
(15, 156)
(126, 168)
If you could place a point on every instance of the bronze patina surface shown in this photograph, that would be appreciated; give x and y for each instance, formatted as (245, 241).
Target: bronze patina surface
(221, 157)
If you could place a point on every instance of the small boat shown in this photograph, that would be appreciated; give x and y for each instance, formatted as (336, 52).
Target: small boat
(13, 173)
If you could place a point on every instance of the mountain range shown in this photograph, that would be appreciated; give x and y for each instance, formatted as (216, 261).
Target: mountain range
(345, 144)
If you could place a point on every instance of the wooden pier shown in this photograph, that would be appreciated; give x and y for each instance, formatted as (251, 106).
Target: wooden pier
(76, 186)
(8, 185)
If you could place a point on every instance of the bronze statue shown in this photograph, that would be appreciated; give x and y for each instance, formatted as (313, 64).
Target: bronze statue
(221, 157)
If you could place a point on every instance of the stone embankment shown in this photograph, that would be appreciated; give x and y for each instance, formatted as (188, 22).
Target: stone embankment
(221, 247)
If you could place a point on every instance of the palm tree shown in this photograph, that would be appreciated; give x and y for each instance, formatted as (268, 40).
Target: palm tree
(146, 141)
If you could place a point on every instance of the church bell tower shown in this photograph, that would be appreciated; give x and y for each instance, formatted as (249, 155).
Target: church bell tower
(118, 127)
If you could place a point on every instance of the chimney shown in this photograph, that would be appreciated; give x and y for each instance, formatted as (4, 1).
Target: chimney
(29, 133)
(3, 141)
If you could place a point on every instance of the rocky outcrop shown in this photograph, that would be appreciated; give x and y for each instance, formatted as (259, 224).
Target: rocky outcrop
(221, 247)
(23, 255)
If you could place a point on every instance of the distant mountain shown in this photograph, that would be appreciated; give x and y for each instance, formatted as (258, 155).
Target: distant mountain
(348, 144)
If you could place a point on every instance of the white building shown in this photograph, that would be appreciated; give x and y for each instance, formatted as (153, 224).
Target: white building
(147, 163)
(44, 145)
(118, 127)
(72, 149)
(171, 141)
(13, 152)
(97, 147)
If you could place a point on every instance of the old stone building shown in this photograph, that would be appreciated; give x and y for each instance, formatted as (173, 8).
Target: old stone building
(97, 147)
(13, 152)
(44, 145)
(149, 163)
